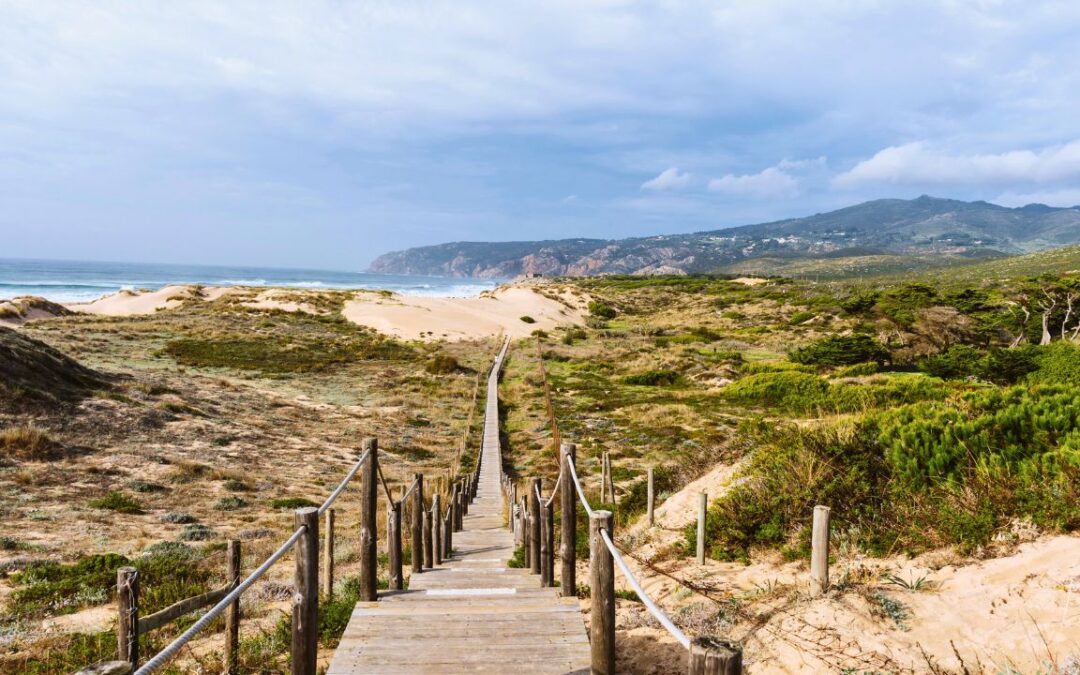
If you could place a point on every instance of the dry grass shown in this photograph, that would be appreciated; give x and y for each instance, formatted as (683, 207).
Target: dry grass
(27, 443)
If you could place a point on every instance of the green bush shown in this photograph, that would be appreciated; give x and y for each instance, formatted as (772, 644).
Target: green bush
(911, 477)
(841, 350)
(117, 501)
(292, 503)
(800, 318)
(857, 370)
(998, 365)
(527, 319)
(799, 392)
(230, 503)
(1056, 363)
(653, 378)
(602, 310)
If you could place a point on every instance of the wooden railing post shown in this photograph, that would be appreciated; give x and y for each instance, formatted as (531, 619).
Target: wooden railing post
(305, 610)
(328, 554)
(466, 496)
(603, 478)
(526, 531)
(819, 551)
(448, 538)
(568, 504)
(702, 513)
(429, 553)
(602, 590)
(418, 526)
(650, 497)
(369, 529)
(127, 626)
(232, 613)
(436, 529)
(709, 656)
(547, 545)
(453, 507)
(397, 580)
(534, 526)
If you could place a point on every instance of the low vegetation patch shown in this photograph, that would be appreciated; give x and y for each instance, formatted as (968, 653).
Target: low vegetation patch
(119, 502)
(292, 503)
(28, 443)
(653, 378)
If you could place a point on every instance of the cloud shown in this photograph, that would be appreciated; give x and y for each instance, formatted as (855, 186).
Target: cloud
(771, 182)
(669, 179)
(920, 163)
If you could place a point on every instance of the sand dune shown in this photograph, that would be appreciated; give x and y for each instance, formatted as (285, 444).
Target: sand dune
(402, 316)
(495, 312)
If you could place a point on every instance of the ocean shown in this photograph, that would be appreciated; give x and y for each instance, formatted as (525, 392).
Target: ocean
(78, 281)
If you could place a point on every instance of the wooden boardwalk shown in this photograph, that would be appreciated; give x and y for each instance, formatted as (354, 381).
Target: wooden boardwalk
(471, 614)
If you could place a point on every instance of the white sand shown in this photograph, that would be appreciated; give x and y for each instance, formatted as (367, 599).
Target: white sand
(499, 311)
(402, 316)
(130, 303)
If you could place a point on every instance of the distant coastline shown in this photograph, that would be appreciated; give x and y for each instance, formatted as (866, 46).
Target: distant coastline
(67, 281)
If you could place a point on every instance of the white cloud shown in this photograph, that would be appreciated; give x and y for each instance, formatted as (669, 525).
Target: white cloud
(771, 182)
(920, 163)
(1064, 197)
(669, 179)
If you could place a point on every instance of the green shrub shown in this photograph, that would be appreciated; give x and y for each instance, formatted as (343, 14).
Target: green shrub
(800, 318)
(602, 310)
(117, 501)
(1056, 363)
(653, 378)
(177, 518)
(857, 370)
(841, 350)
(146, 486)
(292, 503)
(998, 365)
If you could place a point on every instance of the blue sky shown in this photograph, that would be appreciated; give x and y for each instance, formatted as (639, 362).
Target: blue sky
(322, 133)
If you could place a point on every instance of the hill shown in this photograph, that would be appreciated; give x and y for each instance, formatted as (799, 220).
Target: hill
(887, 233)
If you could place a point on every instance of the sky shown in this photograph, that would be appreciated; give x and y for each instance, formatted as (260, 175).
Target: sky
(321, 133)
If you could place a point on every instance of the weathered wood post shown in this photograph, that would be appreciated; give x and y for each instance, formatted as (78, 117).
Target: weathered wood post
(603, 478)
(454, 507)
(397, 579)
(702, 512)
(526, 530)
(305, 609)
(568, 504)
(819, 551)
(418, 526)
(328, 554)
(610, 480)
(429, 553)
(602, 589)
(466, 496)
(709, 656)
(650, 497)
(127, 627)
(436, 530)
(369, 529)
(232, 612)
(534, 526)
(459, 508)
(547, 544)
(448, 535)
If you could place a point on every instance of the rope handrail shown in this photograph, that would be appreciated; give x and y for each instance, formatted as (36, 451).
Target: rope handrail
(554, 490)
(653, 609)
(630, 578)
(344, 483)
(163, 657)
(385, 487)
(408, 492)
(577, 484)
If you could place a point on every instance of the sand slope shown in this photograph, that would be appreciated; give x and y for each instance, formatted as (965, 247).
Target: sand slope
(498, 311)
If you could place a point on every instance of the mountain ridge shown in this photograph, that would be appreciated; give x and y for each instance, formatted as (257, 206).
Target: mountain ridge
(924, 226)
